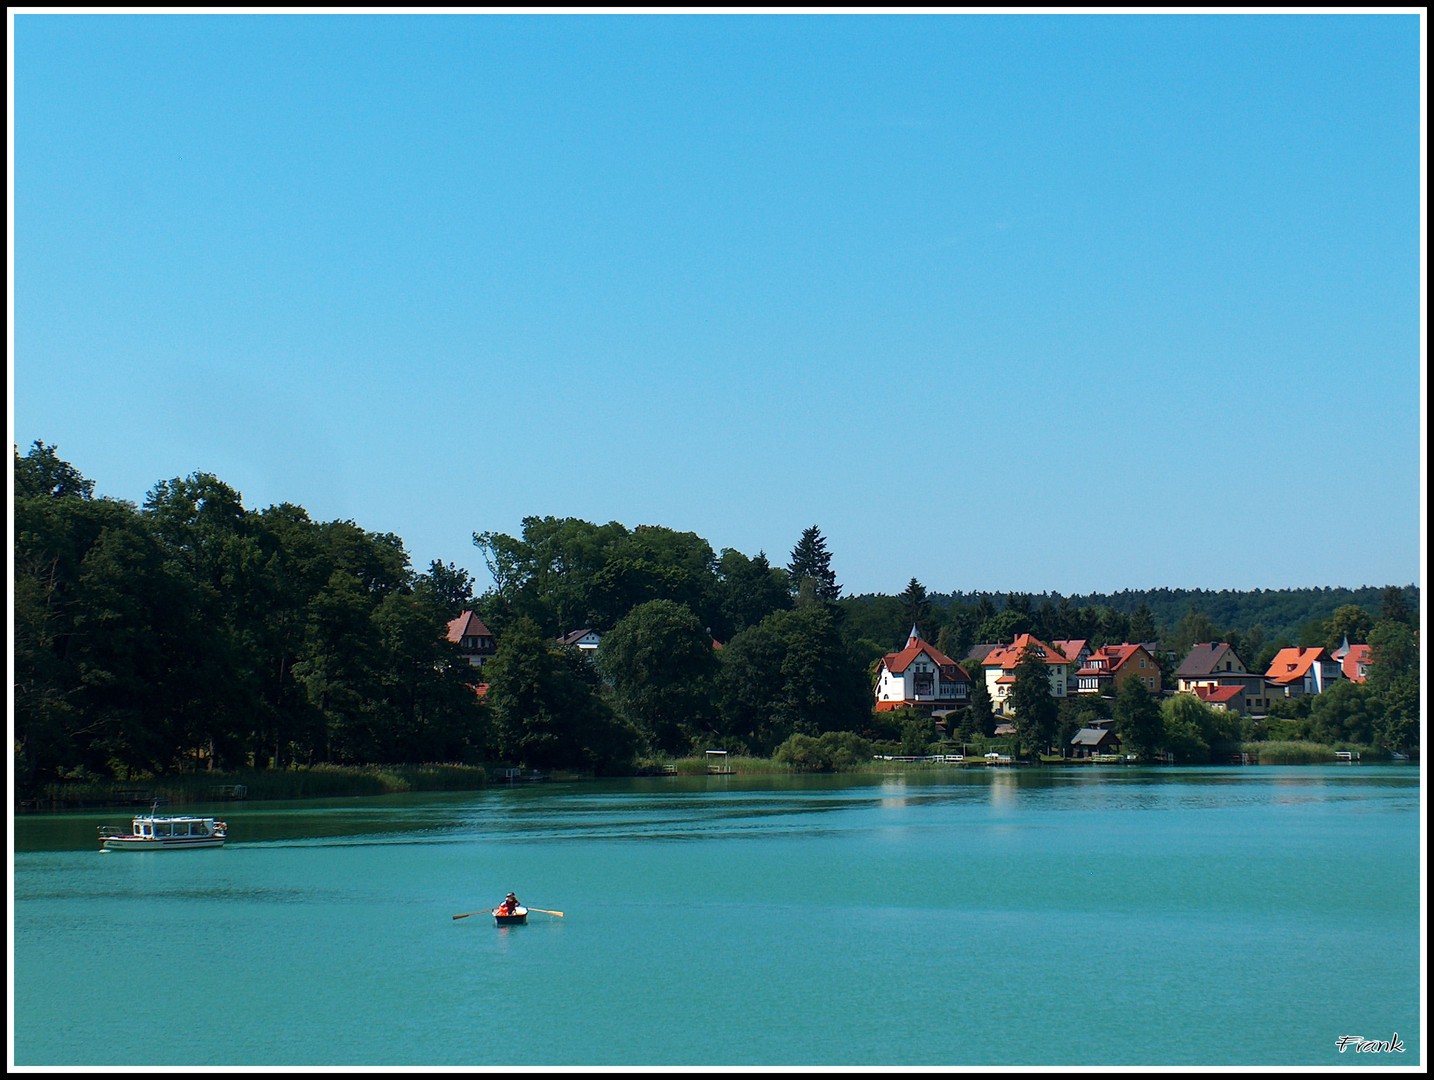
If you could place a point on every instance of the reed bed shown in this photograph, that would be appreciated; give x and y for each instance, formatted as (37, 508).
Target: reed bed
(309, 782)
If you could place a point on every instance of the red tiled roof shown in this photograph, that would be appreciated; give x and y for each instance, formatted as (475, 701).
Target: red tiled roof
(467, 625)
(1007, 656)
(1112, 655)
(1218, 693)
(1357, 655)
(1290, 665)
(898, 662)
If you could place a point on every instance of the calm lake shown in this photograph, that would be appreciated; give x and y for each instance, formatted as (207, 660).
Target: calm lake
(1022, 917)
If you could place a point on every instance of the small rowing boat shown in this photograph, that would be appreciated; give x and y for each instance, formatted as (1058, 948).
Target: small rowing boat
(505, 917)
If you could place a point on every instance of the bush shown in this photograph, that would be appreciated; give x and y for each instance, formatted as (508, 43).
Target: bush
(834, 751)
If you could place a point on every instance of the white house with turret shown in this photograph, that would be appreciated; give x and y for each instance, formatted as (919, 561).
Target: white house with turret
(921, 676)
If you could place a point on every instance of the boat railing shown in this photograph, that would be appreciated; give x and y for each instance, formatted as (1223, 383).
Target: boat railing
(107, 831)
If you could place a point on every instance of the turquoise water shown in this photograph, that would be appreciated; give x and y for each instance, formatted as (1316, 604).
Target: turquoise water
(1174, 917)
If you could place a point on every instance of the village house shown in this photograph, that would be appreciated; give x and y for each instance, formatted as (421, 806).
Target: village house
(920, 676)
(1000, 667)
(1229, 699)
(1077, 651)
(1353, 660)
(1215, 666)
(473, 638)
(1295, 672)
(1109, 667)
(585, 640)
(1090, 741)
(1206, 665)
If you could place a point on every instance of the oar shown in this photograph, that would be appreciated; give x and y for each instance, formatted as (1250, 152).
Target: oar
(545, 911)
(485, 911)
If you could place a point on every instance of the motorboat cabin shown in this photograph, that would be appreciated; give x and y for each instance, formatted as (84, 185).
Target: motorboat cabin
(155, 832)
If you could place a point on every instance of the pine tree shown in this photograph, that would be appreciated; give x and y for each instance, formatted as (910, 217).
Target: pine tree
(1394, 607)
(982, 713)
(811, 563)
(1142, 624)
(915, 607)
(1036, 710)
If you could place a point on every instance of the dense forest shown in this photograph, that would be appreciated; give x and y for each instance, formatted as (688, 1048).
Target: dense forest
(191, 632)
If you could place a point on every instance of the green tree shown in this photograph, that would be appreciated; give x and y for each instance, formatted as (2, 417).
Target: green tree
(434, 713)
(957, 634)
(144, 712)
(1346, 712)
(449, 586)
(1138, 721)
(41, 473)
(1004, 626)
(545, 712)
(1394, 608)
(1248, 645)
(1351, 623)
(1114, 627)
(810, 566)
(1196, 732)
(1193, 629)
(659, 662)
(793, 672)
(915, 607)
(653, 563)
(1035, 708)
(56, 520)
(551, 574)
(284, 727)
(1393, 651)
(983, 712)
(831, 751)
(1142, 625)
(747, 591)
(339, 666)
(1395, 685)
(917, 734)
(565, 573)
(1183, 723)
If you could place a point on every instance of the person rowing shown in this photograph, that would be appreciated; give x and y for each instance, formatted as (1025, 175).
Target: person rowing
(509, 906)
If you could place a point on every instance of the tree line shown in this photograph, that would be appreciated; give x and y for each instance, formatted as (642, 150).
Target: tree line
(192, 632)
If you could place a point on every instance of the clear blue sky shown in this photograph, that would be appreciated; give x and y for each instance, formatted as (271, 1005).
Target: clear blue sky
(1019, 302)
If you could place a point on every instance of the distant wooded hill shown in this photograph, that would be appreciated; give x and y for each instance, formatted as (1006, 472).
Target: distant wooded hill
(1282, 614)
